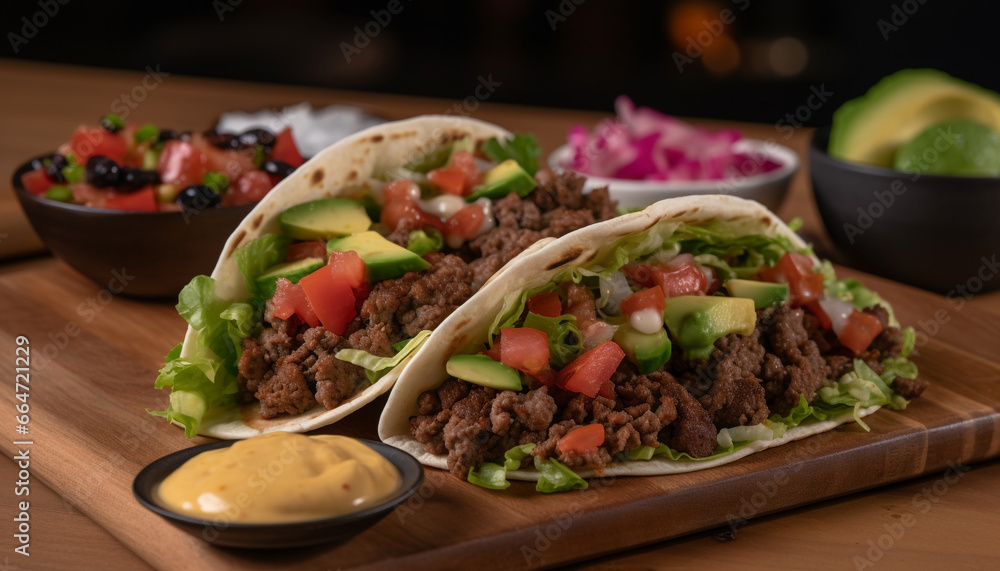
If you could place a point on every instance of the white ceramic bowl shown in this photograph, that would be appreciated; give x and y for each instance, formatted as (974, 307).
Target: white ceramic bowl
(768, 188)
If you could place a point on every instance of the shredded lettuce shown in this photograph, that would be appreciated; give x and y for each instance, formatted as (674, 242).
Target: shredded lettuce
(645, 452)
(494, 476)
(522, 148)
(557, 477)
(565, 338)
(256, 257)
(853, 291)
(514, 304)
(375, 366)
(424, 241)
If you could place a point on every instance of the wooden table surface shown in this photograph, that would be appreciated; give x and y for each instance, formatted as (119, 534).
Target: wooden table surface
(41, 104)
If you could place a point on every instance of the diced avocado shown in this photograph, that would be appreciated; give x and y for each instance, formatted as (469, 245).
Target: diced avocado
(503, 179)
(325, 218)
(763, 294)
(481, 370)
(871, 128)
(697, 321)
(291, 271)
(648, 351)
(383, 258)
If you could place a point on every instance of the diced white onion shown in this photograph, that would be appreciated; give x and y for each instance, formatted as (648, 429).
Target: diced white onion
(596, 333)
(838, 311)
(444, 206)
(646, 320)
(488, 222)
(613, 290)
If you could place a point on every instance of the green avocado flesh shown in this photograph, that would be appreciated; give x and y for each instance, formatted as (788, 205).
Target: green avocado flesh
(291, 271)
(697, 321)
(763, 294)
(961, 148)
(503, 179)
(872, 128)
(481, 370)
(647, 351)
(383, 259)
(324, 219)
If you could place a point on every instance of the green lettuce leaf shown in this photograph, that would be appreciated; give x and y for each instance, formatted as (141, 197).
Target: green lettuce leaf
(424, 241)
(256, 257)
(514, 304)
(522, 148)
(557, 477)
(377, 367)
(645, 452)
(494, 476)
(565, 338)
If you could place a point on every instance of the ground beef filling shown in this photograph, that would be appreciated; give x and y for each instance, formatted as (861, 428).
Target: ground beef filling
(289, 367)
(744, 381)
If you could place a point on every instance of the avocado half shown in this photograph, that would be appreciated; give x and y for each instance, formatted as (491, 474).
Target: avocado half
(871, 128)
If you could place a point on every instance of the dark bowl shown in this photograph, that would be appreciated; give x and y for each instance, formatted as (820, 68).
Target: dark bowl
(941, 233)
(278, 535)
(137, 254)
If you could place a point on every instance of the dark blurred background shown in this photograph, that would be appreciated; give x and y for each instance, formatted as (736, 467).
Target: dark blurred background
(755, 60)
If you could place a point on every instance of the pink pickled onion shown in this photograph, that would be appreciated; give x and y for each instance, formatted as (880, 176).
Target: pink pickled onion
(644, 144)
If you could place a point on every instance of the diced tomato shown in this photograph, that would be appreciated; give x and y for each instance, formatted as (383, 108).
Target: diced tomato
(685, 280)
(458, 177)
(348, 266)
(142, 200)
(650, 298)
(290, 299)
(302, 250)
(361, 293)
(465, 223)
(36, 181)
(816, 309)
(232, 163)
(493, 352)
(285, 149)
(796, 270)
(524, 348)
(590, 370)
(400, 198)
(582, 439)
(546, 375)
(859, 332)
(449, 180)
(88, 142)
(253, 186)
(182, 164)
(546, 304)
(88, 195)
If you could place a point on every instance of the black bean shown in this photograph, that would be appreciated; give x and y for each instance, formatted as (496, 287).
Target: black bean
(167, 135)
(131, 179)
(259, 136)
(277, 168)
(102, 171)
(198, 197)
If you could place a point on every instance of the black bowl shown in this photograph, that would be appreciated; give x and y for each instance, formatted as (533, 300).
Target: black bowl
(937, 232)
(277, 535)
(137, 254)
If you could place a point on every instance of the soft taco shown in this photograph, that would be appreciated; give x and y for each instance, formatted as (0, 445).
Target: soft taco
(339, 275)
(682, 337)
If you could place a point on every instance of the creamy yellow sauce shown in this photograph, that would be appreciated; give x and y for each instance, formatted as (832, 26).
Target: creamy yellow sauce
(280, 477)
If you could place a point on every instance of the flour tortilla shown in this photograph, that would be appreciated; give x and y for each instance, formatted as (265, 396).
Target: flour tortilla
(338, 169)
(467, 328)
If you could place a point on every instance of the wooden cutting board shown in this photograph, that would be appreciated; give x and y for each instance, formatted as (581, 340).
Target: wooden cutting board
(94, 359)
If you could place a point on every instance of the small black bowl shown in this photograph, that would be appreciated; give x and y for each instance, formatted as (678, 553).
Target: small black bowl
(277, 535)
(136, 254)
(937, 232)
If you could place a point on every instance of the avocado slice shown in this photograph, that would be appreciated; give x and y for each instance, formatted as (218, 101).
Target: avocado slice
(697, 321)
(503, 179)
(481, 370)
(325, 218)
(648, 351)
(384, 259)
(871, 128)
(291, 271)
(763, 294)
